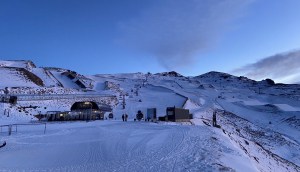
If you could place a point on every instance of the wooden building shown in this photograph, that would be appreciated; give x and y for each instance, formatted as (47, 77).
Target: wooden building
(177, 114)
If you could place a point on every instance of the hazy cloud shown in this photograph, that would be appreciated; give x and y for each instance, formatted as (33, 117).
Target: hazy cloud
(173, 31)
(283, 67)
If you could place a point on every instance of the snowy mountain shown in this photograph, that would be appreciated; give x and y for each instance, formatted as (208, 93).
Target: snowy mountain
(261, 119)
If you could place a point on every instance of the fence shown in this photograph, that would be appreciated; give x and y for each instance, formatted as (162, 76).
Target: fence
(26, 97)
(14, 127)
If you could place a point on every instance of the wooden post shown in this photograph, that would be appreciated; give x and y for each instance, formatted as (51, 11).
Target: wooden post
(9, 129)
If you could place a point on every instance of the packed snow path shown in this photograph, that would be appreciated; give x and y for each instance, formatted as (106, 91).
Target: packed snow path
(120, 146)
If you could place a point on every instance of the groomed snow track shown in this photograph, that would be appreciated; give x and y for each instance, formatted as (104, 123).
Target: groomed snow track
(116, 146)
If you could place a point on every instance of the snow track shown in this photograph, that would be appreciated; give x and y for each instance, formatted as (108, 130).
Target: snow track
(115, 146)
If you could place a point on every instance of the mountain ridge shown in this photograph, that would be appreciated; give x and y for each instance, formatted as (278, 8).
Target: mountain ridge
(261, 118)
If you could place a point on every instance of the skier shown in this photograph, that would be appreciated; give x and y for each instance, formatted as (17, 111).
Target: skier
(126, 117)
(123, 117)
(214, 119)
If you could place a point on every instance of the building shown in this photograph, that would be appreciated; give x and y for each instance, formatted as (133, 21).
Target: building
(151, 114)
(55, 116)
(8, 99)
(13, 99)
(79, 111)
(177, 114)
(86, 111)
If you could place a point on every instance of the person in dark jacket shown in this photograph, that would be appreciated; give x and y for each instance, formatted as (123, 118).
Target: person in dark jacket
(123, 117)
(139, 115)
(110, 115)
(126, 117)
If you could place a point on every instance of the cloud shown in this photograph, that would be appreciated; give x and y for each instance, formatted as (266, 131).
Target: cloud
(282, 67)
(174, 31)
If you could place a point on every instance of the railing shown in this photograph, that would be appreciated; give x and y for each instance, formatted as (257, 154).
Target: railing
(14, 127)
(25, 97)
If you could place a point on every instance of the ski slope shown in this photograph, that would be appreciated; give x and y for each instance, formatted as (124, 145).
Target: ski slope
(120, 146)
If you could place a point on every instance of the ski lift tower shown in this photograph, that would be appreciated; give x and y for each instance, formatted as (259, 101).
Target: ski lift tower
(123, 102)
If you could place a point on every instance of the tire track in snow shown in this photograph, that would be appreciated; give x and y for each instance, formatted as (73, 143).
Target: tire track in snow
(128, 147)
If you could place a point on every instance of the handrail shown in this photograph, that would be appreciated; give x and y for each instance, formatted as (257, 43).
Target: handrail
(11, 125)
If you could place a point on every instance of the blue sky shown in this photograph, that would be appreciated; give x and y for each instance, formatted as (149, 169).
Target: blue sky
(117, 36)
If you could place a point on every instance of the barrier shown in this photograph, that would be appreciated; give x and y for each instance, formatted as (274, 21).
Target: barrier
(14, 127)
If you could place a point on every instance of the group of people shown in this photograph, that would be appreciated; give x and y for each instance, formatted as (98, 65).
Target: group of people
(124, 117)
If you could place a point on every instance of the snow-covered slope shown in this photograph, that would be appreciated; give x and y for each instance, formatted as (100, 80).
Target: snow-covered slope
(11, 77)
(27, 64)
(260, 118)
(48, 79)
(24, 74)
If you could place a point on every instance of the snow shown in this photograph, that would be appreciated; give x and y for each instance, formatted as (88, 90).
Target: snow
(287, 107)
(253, 102)
(259, 124)
(11, 78)
(44, 75)
(119, 146)
(189, 104)
(13, 63)
(64, 80)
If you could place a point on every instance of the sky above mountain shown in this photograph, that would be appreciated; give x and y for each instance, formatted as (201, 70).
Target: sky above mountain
(189, 36)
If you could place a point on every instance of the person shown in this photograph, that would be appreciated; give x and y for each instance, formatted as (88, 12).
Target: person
(110, 115)
(123, 117)
(214, 119)
(139, 115)
(126, 117)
